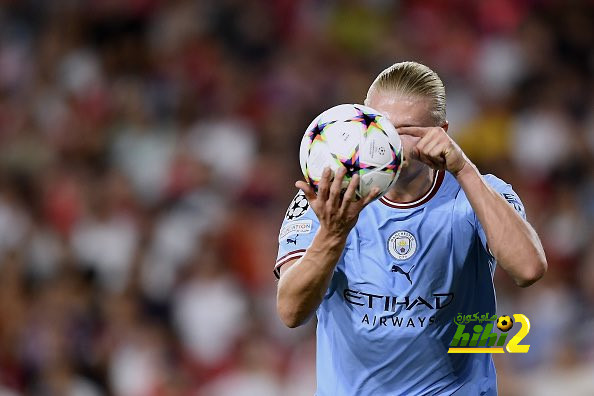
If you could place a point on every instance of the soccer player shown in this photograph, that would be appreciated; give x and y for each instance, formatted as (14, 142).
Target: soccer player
(387, 277)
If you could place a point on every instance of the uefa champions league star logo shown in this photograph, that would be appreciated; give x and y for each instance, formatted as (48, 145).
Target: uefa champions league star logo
(297, 207)
(402, 245)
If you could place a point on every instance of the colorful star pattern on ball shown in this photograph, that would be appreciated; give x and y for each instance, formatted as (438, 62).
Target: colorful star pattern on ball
(395, 163)
(317, 133)
(368, 119)
(350, 163)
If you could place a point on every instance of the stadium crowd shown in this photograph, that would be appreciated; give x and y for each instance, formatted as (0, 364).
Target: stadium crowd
(148, 151)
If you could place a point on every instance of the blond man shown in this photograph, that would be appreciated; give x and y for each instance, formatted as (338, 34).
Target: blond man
(387, 278)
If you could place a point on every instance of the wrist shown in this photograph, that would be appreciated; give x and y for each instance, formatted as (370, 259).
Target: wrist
(331, 240)
(467, 170)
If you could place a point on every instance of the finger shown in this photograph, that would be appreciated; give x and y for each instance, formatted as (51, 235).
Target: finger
(413, 131)
(427, 142)
(435, 163)
(350, 193)
(418, 154)
(308, 190)
(438, 152)
(336, 188)
(324, 186)
(425, 146)
(430, 140)
(433, 151)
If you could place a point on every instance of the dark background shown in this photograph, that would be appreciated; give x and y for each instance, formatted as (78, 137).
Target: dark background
(148, 151)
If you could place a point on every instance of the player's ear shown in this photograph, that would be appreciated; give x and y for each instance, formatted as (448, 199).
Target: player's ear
(445, 125)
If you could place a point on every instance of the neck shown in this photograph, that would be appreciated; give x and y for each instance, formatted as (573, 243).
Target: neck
(412, 184)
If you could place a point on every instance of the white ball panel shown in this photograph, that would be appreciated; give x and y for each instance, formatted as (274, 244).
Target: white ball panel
(380, 179)
(320, 158)
(343, 137)
(375, 149)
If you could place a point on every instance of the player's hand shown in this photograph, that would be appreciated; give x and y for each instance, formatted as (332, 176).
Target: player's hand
(336, 213)
(435, 148)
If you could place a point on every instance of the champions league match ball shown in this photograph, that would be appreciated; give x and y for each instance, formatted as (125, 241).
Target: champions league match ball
(357, 138)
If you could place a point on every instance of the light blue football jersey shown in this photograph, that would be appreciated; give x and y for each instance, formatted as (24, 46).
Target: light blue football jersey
(386, 322)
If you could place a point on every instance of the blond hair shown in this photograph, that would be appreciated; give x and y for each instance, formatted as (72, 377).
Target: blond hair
(415, 79)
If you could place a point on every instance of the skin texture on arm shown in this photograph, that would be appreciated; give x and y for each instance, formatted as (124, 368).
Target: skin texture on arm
(304, 282)
(511, 239)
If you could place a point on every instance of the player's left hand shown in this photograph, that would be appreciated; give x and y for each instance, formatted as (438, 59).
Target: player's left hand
(434, 147)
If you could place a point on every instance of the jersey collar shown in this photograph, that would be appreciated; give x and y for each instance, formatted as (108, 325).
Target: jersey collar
(437, 180)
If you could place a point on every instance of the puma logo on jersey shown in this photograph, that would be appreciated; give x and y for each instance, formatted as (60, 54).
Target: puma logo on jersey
(397, 269)
(294, 240)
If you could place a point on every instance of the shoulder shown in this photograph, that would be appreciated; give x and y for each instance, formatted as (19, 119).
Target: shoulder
(498, 184)
(495, 182)
(299, 217)
(506, 190)
(503, 188)
(296, 232)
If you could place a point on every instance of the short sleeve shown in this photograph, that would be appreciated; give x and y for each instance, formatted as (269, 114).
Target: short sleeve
(507, 192)
(297, 231)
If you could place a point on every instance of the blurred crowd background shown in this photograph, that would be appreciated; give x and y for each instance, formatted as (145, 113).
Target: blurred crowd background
(148, 151)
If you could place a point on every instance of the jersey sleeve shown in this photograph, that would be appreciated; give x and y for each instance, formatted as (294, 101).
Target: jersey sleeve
(297, 231)
(506, 191)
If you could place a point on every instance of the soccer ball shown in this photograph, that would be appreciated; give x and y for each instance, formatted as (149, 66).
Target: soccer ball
(505, 323)
(357, 138)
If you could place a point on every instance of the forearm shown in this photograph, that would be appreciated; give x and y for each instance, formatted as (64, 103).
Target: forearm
(511, 240)
(303, 285)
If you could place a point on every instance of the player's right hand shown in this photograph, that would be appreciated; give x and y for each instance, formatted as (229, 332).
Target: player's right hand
(336, 213)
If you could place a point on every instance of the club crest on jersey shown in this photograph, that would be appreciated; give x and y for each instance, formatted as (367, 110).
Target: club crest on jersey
(297, 207)
(402, 245)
